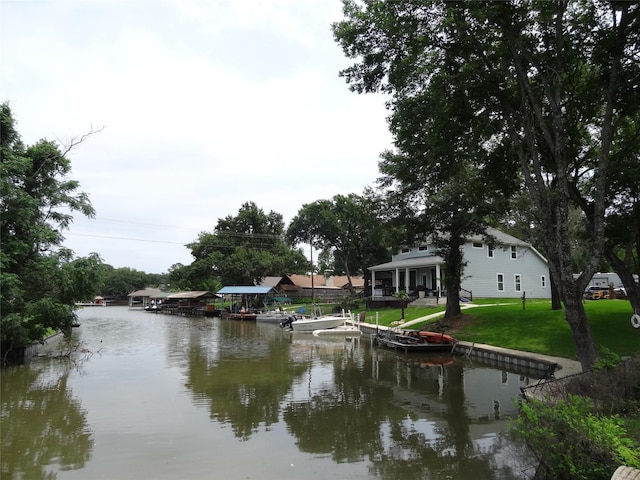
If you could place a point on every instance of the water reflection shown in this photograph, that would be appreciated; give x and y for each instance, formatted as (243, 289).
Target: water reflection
(336, 406)
(42, 423)
(245, 383)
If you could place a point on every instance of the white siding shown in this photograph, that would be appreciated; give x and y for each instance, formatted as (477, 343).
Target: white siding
(480, 274)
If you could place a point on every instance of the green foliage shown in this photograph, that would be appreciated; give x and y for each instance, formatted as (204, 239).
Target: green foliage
(119, 282)
(242, 250)
(478, 89)
(347, 227)
(608, 359)
(39, 280)
(572, 442)
(348, 303)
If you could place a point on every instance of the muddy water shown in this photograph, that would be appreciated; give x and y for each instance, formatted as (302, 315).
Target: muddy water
(149, 396)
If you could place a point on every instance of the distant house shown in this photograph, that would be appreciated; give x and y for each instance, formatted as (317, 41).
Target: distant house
(507, 269)
(324, 288)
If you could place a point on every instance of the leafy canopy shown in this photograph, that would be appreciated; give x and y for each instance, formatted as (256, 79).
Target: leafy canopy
(242, 250)
(40, 280)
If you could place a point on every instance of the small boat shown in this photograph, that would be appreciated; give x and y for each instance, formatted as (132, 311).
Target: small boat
(323, 322)
(273, 316)
(412, 341)
(430, 337)
(344, 330)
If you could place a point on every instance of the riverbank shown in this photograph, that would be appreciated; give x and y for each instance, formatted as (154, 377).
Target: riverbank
(543, 365)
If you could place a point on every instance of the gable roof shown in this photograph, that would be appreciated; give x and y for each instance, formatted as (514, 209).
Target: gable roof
(245, 290)
(270, 281)
(320, 281)
(501, 237)
(145, 292)
(414, 262)
(191, 295)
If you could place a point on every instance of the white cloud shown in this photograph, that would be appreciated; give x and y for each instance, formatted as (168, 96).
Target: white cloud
(206, 105)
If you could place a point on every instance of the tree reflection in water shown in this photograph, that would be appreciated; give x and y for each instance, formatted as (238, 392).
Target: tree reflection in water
(405, 419)
(333, 407)
(42, 423)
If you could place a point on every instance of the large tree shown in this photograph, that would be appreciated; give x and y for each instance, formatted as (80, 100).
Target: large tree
(348, 226)
(120, 282)
(40, 280)
(243, 249)
(444, 185)
(549, 80)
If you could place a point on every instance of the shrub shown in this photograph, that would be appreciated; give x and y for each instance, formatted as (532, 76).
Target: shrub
(572, 443)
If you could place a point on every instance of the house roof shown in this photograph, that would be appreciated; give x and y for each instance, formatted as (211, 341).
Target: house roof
(191, 295)
(342, 280)
(245, 290)
(431, 260)
(145, 292)
(305, 280)
(320, 281)
(409, 262)
(501, 237)
(270, 281)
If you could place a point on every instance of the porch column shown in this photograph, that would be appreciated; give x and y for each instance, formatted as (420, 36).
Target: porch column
(438, 284)
(406, 280)
(373, 284)
(397, 280)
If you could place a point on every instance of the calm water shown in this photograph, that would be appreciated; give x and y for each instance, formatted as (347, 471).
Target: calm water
(149, 396)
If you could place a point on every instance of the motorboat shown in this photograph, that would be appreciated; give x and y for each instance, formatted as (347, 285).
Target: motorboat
(343, 330)
(273, 316)
(323, 322)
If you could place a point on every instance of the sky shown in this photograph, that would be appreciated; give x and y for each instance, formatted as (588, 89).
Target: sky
(197, 107)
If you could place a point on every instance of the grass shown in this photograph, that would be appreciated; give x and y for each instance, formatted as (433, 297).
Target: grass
(537, 328)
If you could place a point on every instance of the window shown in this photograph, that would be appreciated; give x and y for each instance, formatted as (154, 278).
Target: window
(423, 248)
(405, 250)
(543, 281)
(514, 252)
(477, 245)
(500, 282)
(490, 250)
(517, 278)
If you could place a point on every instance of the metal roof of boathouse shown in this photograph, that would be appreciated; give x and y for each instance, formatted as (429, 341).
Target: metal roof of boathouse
(191, 295)
(245, 290)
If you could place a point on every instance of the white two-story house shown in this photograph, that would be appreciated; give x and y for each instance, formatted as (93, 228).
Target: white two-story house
(507, 269)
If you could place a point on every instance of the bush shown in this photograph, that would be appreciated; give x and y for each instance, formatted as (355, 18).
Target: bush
(348, 303)
(573, 443)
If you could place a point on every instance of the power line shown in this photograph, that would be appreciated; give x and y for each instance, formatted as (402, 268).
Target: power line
(124, 238)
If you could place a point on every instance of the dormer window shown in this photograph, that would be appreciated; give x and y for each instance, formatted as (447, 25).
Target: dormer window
(477, 245)
(423, 248)
(405, 250)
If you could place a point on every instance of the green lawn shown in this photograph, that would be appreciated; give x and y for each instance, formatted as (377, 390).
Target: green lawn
(537, 328)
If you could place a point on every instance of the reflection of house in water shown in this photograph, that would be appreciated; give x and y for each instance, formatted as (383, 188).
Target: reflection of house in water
(487, 393)
(456, 406)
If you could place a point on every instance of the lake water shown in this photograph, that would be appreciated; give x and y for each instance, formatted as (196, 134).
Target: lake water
(150, 396)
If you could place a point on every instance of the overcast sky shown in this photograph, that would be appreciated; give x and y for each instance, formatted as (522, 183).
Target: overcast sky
(204, 105)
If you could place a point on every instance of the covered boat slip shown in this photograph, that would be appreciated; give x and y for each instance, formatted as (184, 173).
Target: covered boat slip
(174, 303)
(247, 301)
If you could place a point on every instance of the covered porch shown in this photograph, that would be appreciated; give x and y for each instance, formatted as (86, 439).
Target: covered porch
(418, 277)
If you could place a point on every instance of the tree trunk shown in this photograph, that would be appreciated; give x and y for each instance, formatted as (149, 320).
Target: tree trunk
(582, 336)
(453, 303)
(624, 271)
(453, 267)
(556, 302)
